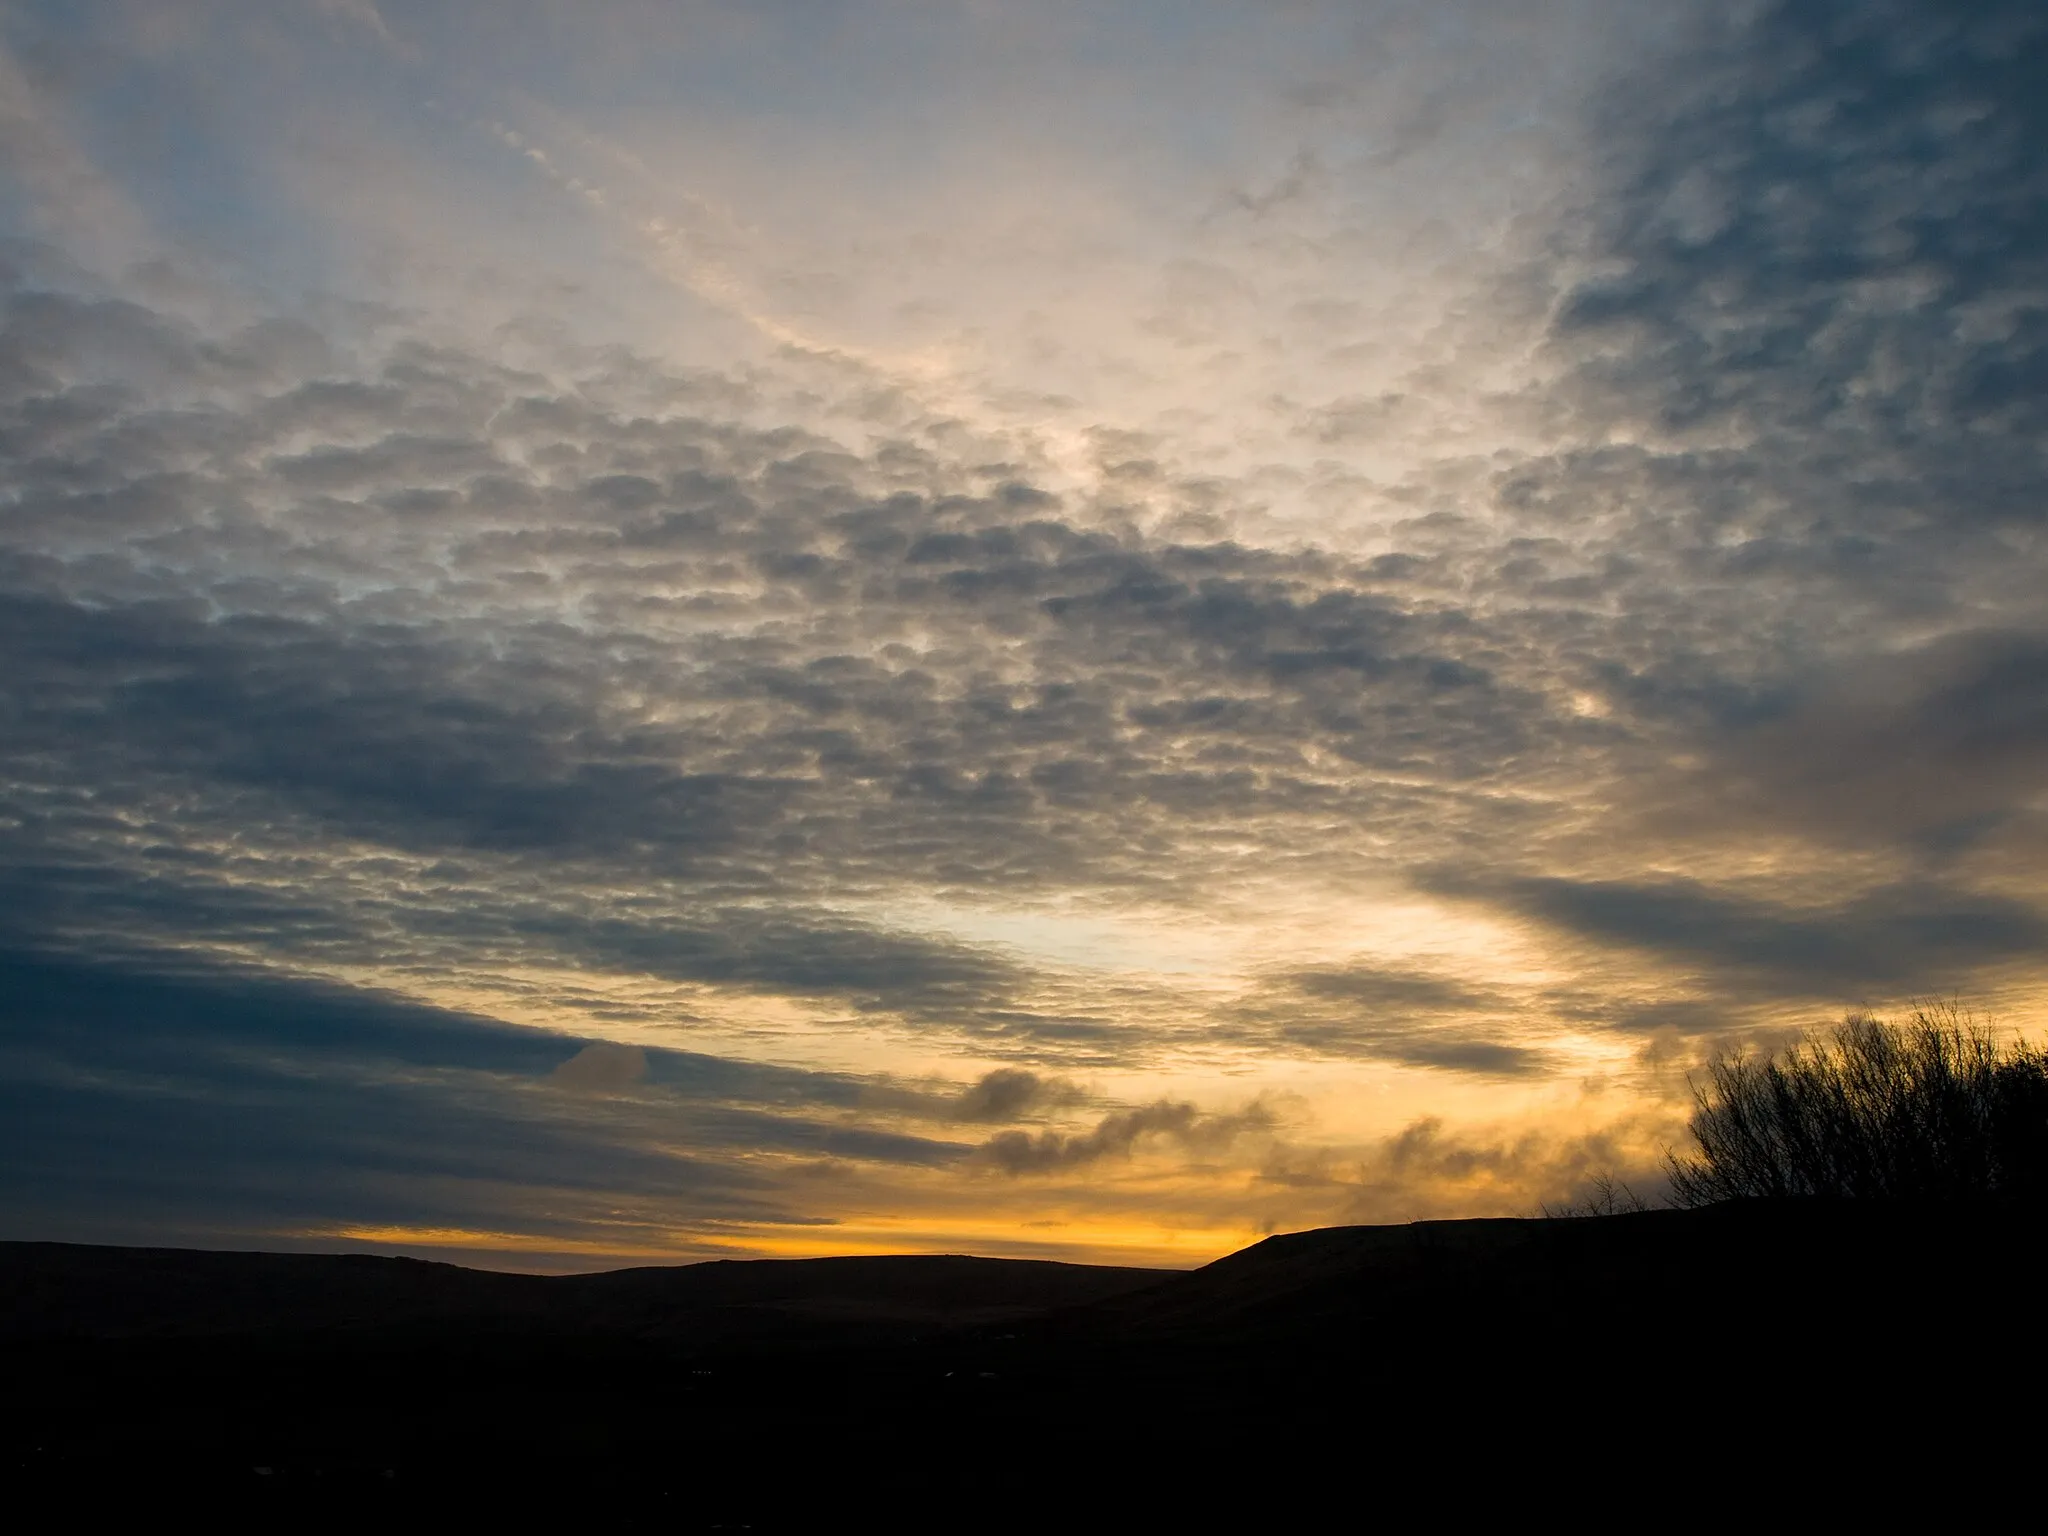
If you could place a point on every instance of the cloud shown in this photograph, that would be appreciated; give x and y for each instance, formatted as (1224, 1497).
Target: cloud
(364, 14)
(54, 188)
(572, 634)
(1822, 240)
(1009, 1092)
(1404, 559)
(687, 656)
(999, 1096)
(1375, 1013)
(602, 1067)
(1429, 1168)
(1904, 934)
(1119, 1134)
(1933, 748)
(167, 1098)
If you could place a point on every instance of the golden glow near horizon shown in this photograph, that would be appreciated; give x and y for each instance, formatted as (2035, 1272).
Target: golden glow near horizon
(726, 635)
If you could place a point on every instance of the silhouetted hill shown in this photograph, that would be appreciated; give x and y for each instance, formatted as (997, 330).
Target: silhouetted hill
(750, 1391)
(57, 1290)
(1528, 1283)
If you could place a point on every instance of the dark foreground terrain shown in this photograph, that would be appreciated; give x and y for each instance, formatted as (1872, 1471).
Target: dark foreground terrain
(1439, 1366)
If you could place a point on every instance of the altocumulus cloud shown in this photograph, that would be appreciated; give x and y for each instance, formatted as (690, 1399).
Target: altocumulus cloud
(709, 682)
(362, 677)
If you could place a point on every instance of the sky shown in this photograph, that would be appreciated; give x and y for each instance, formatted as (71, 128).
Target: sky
(636, 632)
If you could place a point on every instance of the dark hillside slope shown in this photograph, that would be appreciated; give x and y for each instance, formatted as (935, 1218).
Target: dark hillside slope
(65, 1290)
(51, 1291)
(1434, 1286)
(760, 1390)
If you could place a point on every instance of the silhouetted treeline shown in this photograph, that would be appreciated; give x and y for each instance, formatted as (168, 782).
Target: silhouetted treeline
(1935, 1109)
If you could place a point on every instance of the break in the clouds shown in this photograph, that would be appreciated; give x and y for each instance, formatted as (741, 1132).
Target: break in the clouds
(712, 628)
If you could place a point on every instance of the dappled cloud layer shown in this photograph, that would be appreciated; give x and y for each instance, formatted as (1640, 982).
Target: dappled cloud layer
(1319, 706)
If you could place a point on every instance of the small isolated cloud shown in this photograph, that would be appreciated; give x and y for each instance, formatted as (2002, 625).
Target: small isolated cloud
(1005, 1094)
(603, 1066)
(1118, 1135)
(1009, 1092)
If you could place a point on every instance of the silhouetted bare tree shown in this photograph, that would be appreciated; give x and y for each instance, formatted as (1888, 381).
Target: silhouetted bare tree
(1605, 1195)
(1935, 1109)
